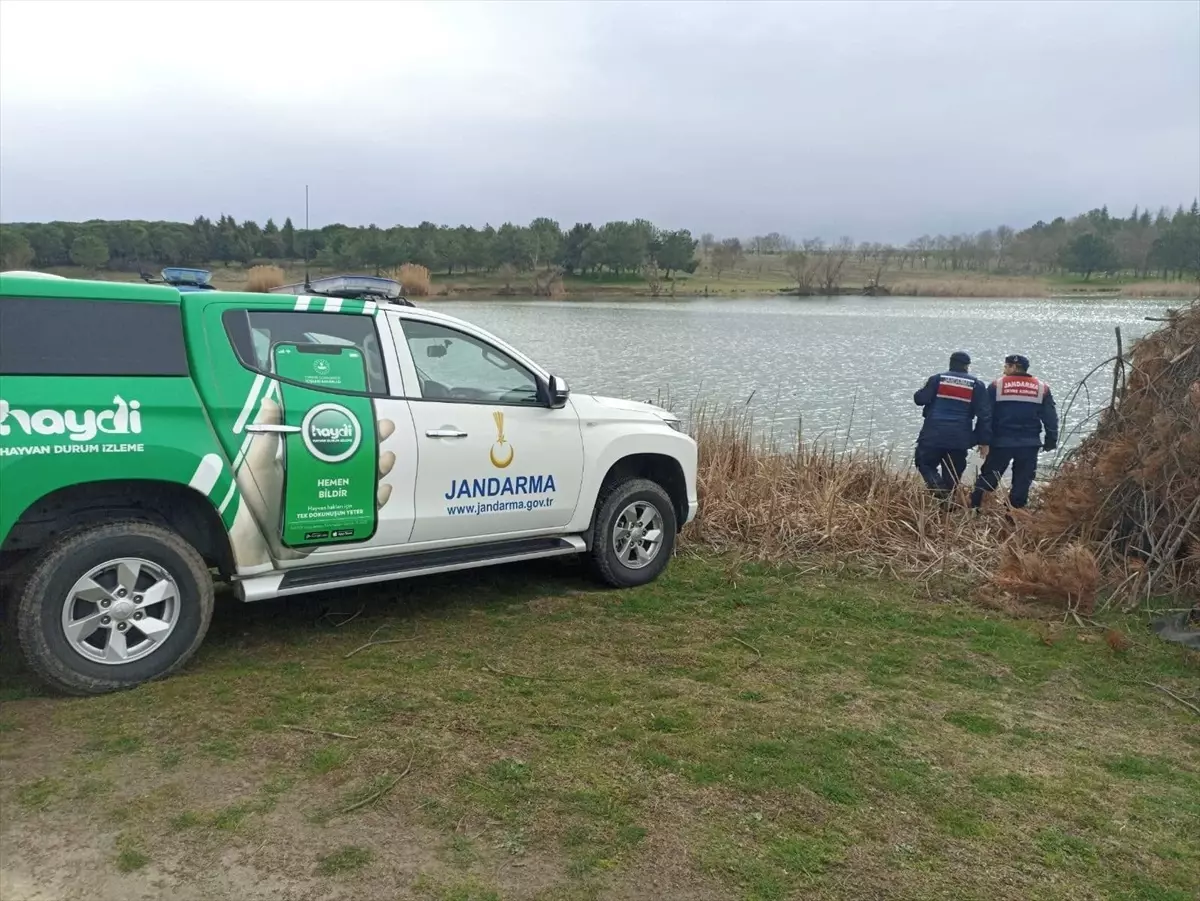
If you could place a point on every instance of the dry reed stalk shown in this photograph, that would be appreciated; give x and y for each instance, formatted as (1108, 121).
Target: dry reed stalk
(261, 279)
(414, 278)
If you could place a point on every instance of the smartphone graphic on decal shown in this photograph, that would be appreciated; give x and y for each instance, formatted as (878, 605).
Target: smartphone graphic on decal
(331, 464)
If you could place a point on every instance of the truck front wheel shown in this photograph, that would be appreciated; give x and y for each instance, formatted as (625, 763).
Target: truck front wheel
(109, 607)
(634, 535)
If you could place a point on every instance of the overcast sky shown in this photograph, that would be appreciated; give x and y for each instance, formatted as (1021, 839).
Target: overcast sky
(877, 120)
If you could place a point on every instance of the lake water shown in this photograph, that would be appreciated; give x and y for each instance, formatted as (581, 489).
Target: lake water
(843, 367)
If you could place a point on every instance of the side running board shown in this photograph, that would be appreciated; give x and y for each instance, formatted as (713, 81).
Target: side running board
(332, 576)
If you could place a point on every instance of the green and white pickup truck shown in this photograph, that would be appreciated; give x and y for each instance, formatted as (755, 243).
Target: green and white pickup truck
(153, 440)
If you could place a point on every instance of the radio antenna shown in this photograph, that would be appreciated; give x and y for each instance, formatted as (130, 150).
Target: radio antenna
(307, 243)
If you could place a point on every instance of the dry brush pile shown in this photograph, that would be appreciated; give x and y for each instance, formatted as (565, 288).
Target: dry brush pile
(1122, 516)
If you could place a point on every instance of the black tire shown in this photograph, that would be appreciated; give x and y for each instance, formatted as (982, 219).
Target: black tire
(605, 563)
(39, 606)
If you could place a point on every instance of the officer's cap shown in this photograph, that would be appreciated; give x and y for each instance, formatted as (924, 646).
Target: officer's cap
(1017, 360)
(960, 358)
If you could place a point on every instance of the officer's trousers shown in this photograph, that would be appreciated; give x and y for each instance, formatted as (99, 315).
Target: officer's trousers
(941, 467)
(1024, 466)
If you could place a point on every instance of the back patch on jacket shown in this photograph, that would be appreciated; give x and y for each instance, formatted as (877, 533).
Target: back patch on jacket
(1026, 388)
(953, 387)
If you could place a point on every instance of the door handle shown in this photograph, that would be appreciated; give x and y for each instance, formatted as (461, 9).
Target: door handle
(445, 433)
(284, 429)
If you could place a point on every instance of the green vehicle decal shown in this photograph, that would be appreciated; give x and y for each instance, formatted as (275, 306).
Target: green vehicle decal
(215, 481)
(330, 464)
(239, 399)
(59, 431)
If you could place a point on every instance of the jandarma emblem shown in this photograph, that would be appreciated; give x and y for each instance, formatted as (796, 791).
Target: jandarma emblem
(501, 447)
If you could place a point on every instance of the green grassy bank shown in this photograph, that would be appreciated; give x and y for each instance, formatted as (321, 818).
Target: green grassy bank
(729, 732)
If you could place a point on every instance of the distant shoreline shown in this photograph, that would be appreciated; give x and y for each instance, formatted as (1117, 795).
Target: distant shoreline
(894, 285)
(485, 293)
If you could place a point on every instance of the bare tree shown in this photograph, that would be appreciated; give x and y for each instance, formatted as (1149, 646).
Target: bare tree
(924, 246)
(726, 255)
(954, 247)
(1004, 241)
(775, 243)
(654, 276)
(884, 256)
(984, 249)
(941, 246)
(803, 268)
(833, 261)
(707, 243)
(548, 283)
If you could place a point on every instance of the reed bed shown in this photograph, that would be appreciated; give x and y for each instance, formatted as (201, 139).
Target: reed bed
(969, 287)
(836, 507)
(1180, 290)
(1020, 287)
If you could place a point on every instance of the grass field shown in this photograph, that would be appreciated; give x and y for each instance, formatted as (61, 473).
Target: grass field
(756, 276)
(731, 732)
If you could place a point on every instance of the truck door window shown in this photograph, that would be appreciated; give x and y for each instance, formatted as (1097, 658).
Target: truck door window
(253, 333)
(452, 365)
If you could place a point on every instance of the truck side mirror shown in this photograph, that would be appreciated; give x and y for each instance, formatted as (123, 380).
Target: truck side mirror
(552, 392)
(559, 392)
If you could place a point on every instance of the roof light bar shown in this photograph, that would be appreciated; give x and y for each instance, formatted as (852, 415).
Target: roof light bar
(347, 286)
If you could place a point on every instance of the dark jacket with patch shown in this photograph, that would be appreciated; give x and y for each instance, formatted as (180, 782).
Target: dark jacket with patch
(957, 411)
(1022, 406)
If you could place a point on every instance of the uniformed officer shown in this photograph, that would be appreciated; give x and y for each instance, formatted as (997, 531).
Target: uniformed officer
(958, 416)
(1022, 408)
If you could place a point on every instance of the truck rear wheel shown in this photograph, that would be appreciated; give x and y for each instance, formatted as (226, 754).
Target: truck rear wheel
(634, 535)
(109, 607)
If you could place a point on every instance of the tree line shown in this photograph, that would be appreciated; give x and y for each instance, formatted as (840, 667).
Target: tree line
(1161, 244)
(614, 247)
(1146, 245)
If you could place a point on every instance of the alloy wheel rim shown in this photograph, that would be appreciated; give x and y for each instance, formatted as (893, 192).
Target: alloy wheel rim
(637, 535)
(121, 611)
